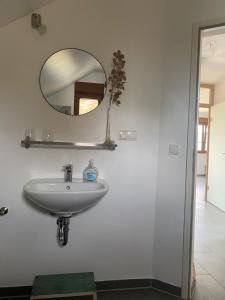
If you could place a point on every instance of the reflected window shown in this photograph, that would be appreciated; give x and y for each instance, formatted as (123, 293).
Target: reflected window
(87, 96)
(86, 105)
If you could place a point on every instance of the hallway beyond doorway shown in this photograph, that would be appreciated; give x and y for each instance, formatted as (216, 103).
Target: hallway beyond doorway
(209, 254)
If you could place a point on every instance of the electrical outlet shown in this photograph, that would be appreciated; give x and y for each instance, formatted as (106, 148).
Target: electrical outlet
(174, 149)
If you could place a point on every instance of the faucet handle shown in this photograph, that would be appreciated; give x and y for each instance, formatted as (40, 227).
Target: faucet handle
(67, 167)
(3, 211)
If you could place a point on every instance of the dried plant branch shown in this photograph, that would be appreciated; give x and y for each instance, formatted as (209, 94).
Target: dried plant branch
(117, 78)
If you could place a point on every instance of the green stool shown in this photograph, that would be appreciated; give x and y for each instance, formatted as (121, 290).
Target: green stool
(64, 286)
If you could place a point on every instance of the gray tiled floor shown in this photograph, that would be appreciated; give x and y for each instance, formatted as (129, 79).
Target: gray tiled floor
(209, 248)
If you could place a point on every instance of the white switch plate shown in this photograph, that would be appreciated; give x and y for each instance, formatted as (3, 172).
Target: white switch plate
(131, 135)
(123, 135)
(128, 135)
(174, 149)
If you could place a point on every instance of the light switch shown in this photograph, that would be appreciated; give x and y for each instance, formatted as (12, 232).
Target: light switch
(174, 149)
(123, 135)
(128, 135)
(131, 135)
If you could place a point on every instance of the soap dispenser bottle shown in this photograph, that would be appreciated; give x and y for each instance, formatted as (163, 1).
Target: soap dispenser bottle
(90, 172)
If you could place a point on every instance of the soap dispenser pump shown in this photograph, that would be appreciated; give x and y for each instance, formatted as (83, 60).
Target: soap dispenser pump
(90, 172)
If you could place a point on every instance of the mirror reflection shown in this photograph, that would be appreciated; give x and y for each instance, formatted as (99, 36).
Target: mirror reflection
(73, 81)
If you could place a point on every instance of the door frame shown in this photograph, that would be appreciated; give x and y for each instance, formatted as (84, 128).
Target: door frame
(189, 212)
(211, 87)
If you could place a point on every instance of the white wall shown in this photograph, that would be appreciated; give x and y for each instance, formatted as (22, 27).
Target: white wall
(201, 163)
(219, 94)
(63, 97)
(216, 181)
(95, 77)
(170, 203)
(115, 238)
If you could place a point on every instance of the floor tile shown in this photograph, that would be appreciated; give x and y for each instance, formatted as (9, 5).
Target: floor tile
(209, 252)
(200, 270)
(208, 289)
(214, 265)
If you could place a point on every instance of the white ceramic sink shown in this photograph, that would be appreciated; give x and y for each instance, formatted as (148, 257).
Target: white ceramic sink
(65, 198)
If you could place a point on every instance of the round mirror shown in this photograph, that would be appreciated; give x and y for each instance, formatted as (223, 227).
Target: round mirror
(73, 81)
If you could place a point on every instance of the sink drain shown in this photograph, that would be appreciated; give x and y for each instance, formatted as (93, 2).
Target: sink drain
(63, 230)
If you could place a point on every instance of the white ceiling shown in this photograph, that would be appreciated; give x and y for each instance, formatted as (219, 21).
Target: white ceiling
(65, 67)
(11, 10)
(213, 56)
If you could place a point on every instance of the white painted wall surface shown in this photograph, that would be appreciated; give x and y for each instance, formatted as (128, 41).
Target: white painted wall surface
(201, 163)
(115, 238)
(63, 97)
(216, 181)
(219, 93)
(170, 203)
(95, 77)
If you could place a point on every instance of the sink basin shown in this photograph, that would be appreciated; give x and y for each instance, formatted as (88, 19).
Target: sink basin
(65, 198)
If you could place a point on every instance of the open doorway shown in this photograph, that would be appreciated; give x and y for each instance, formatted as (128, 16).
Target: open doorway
(206, 101)
(209, 229)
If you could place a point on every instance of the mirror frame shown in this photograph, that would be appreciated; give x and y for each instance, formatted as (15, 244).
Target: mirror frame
(69, 48)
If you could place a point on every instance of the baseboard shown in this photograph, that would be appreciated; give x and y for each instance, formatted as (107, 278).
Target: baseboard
(15, 291)
(125, 284)
(166, 287)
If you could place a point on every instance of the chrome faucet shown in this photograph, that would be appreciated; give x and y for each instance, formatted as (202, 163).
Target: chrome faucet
(68, 173)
